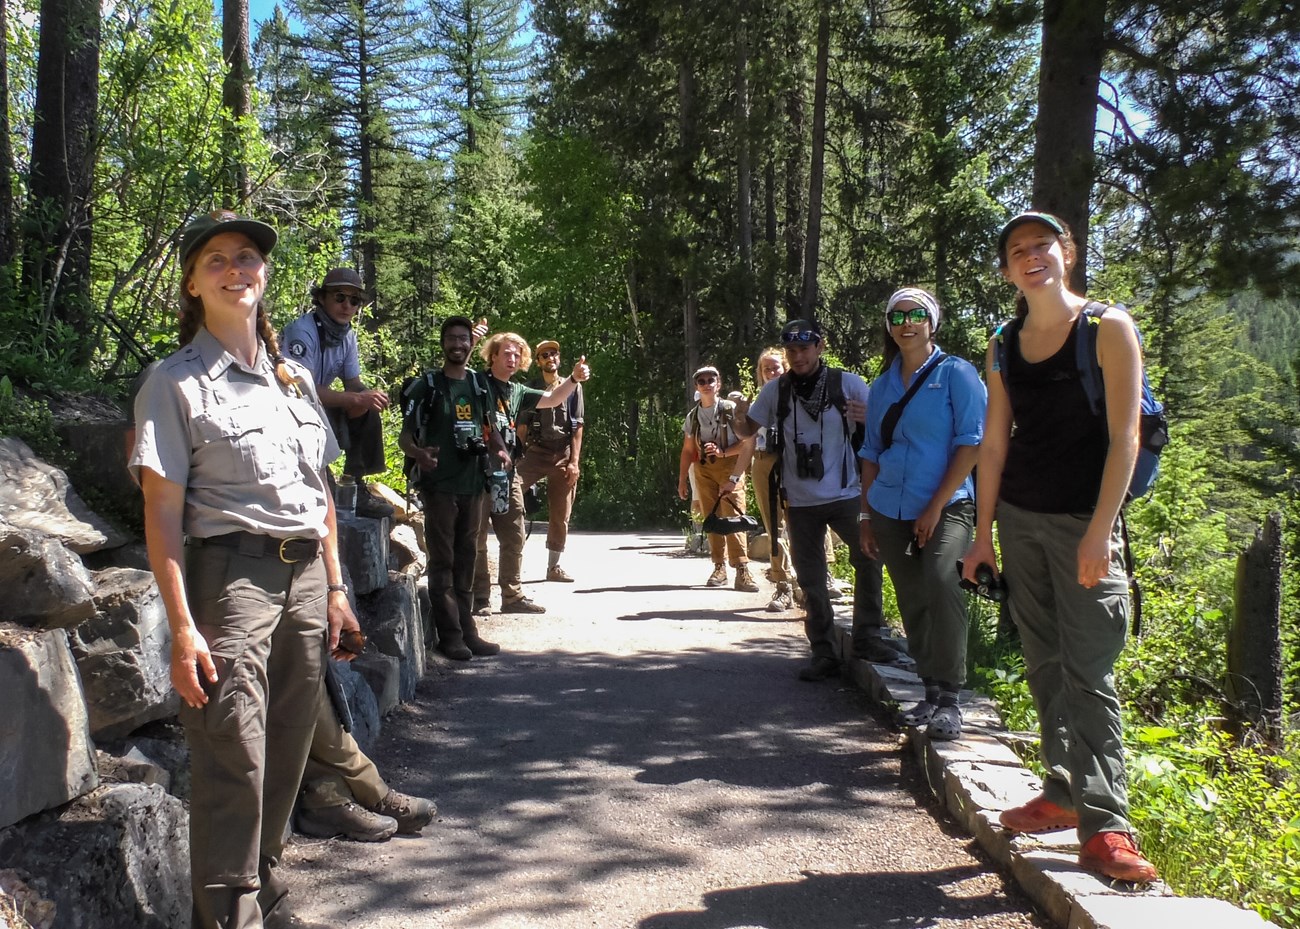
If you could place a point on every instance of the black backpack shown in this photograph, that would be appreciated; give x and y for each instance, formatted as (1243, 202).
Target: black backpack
(423, 398)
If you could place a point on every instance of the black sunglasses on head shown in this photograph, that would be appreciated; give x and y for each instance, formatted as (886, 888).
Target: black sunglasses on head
(803, 335)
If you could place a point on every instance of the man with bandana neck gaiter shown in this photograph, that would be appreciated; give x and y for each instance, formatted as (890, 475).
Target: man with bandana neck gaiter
(324, 342)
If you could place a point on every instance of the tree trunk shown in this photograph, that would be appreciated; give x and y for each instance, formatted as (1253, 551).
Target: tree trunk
(366, 181)
(1255, 640)
(57, 258)
(744, 193)
(769, 234)
(7, 244)
(686, 162)
(236, 97)
(808, 300)
(793, 232)
(1068, 75)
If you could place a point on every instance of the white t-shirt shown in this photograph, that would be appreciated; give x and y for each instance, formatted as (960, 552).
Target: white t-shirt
(826, 431)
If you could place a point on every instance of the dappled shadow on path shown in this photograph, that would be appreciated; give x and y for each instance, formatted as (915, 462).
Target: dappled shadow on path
(606, 762)
(839, 901)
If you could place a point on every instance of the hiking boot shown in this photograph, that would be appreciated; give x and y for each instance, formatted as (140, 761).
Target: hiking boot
(411, 813)
(556, 573)
(481, 648)
(820, 669)
(878, 651)
(482, 607)
(1113, 855)
(780, 601)
(1038, 815)
(744, 581)
(522, 605)
(456, 651)
(348, 820)
(718, 578)
(371, 507)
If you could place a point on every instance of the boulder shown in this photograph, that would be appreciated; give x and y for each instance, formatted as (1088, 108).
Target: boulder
(46, 586)
(390, 618)
(124, 654)
(384, 675)
(363, 549)
(116, 859)
(404, 551)
(46, 756)
(362, 703)
(38, 497)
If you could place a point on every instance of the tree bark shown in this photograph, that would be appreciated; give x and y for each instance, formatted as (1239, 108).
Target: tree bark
(236, 97)
(7, 243)
(744, 192)
(57, 259)
(816, 170)
(1068, 76)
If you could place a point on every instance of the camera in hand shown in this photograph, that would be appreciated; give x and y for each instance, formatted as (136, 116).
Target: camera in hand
(808, 461)
(986, 583)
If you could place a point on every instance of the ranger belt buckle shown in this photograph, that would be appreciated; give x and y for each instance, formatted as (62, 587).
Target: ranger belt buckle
(292, 546)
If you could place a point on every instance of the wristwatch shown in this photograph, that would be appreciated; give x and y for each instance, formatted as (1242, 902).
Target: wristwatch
(864, 517)
(736, 478)
(338, 588)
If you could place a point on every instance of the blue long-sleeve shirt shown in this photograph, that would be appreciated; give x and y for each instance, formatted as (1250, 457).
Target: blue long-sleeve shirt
(947, 412)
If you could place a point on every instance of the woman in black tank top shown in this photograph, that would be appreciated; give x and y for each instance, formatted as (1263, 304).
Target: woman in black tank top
(1055, 485)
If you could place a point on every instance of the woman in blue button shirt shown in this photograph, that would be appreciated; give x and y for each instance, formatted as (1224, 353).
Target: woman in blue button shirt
(918, 511)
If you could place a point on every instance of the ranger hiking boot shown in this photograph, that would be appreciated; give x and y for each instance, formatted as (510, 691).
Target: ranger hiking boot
(718, 578)
(411, 813)
(348, 820)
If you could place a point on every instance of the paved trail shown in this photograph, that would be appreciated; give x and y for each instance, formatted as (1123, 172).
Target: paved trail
(642, 757)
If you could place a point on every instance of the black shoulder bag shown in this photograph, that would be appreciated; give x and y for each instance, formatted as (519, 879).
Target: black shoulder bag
(895, 411)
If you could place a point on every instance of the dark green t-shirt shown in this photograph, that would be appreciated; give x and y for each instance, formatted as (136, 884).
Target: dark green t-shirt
(510, 401)
(452, 414)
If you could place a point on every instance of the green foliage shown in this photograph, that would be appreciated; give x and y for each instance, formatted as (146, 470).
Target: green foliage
(1193, 789)
(26, 418)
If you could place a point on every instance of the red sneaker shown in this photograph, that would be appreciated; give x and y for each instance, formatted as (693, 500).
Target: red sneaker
(1114, 855)
(1038, 815)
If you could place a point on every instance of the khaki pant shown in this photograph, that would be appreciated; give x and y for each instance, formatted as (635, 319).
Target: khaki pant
(709, 478)
(539, 463)
(760, 472)
(264, 622)
(509, 528)
(337, 769)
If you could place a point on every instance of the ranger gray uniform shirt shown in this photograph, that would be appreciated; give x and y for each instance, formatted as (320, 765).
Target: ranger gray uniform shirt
(248, 451)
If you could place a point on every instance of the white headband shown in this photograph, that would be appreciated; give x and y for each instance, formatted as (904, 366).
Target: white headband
(920, 297)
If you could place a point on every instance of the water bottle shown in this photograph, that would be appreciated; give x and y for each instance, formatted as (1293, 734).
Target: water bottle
(500, 491)
(345, 497)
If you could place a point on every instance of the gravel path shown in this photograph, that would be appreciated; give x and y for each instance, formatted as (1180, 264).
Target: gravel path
(642, 757)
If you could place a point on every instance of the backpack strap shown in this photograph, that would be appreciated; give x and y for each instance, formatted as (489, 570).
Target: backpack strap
(1085, 356)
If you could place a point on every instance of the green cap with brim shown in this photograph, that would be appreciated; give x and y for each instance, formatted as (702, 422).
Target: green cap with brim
(1029, 216)
(215, 223)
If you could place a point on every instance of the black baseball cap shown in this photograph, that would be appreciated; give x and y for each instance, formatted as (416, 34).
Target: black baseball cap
(219, 221)
(1029, 216)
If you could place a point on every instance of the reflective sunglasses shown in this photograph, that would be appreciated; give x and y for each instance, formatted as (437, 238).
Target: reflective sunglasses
(803, 335)
(354, 299)
(550, 353)
(705, 379)
(917, 315)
